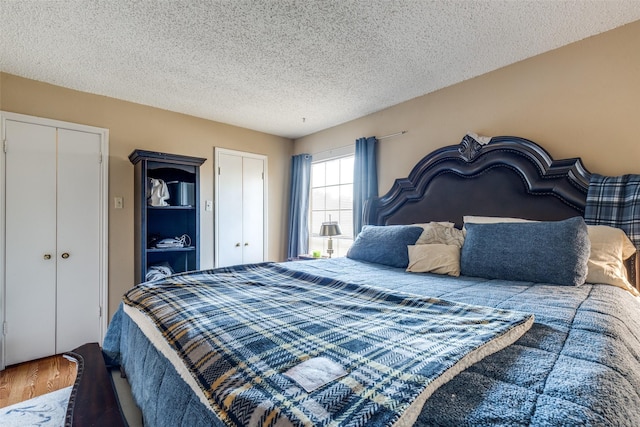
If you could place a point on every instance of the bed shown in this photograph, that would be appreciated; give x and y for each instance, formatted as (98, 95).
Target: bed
(361, 341)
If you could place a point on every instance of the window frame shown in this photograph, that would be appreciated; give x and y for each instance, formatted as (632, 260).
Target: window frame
(342, 242)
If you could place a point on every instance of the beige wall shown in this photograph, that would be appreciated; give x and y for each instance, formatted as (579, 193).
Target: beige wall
(582, 100)
(134, 126)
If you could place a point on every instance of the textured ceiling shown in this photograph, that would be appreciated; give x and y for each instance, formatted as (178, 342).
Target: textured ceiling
(266, 65)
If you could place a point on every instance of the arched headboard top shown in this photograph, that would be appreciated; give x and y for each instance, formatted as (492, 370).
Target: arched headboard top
(509, 176)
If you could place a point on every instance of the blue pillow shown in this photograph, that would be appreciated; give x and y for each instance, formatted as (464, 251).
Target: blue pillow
(545, 252)
(385, 244)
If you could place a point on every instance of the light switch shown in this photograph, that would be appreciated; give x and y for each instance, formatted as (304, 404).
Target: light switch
(118, 202)
(208, 205)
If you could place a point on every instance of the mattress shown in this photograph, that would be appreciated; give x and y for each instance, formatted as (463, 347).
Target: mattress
(579, 364)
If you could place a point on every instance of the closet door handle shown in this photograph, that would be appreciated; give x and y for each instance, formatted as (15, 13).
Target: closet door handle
(246, 244)
(237, 245)
(65, 255)
(47, 256)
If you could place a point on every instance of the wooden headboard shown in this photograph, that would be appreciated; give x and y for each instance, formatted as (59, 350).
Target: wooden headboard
(510, 176)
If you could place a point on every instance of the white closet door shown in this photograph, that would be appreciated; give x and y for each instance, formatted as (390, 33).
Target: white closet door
(30, 238)
(78, 256)
(253, 210)
(229, 208)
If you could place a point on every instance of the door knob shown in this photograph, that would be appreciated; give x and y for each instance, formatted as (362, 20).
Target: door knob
(47, 256)
(65, 255)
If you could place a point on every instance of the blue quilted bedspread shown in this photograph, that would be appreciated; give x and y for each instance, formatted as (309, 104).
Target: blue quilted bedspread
(579, 364)
(272, 346)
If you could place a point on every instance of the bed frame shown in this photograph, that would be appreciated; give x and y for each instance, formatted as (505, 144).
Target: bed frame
(509, 176)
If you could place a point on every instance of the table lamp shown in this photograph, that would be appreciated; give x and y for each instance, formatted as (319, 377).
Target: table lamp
(330, 229)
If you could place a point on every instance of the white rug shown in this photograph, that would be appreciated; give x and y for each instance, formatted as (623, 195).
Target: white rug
(48, 410)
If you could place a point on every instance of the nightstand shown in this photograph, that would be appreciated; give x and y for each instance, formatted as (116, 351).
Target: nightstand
(307, 257)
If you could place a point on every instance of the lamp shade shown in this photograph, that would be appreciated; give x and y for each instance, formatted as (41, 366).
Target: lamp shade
(330, 229)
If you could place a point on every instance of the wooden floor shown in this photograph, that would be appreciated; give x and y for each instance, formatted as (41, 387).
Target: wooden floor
(31, 379)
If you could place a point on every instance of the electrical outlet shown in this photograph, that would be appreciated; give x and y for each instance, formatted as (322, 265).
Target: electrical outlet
(118, 202)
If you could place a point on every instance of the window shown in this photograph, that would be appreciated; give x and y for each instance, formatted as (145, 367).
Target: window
(332, 199)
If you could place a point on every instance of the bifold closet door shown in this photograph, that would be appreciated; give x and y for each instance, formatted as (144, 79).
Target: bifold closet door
(78, 225)
(53, 217)
(30, 266)
(229, 210)
(240, 201)
(253, 210)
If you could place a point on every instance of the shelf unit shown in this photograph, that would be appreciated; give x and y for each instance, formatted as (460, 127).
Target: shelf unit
(180, 217)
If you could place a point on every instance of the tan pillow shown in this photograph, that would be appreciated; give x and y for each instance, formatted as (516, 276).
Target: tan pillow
(443, 223)
(434, 258)
(435, 232)
(609, 248)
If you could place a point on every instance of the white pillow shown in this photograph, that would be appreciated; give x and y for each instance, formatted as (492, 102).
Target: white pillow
(491, 219)
(435, 258)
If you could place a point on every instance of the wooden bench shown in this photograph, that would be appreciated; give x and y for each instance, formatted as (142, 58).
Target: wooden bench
(93, 400)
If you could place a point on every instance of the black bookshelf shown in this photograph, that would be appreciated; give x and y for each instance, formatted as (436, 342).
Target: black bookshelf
(180, 217)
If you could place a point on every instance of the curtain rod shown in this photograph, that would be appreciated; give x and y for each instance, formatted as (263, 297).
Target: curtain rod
(402, 132)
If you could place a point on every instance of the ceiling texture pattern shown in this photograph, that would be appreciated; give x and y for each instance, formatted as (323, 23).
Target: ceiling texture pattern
(288, 68)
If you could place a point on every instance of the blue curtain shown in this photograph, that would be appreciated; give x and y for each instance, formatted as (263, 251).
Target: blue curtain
(299, 205)
(365, 178)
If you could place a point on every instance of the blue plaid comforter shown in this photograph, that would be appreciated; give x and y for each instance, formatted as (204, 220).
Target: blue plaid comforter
(240, 330)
